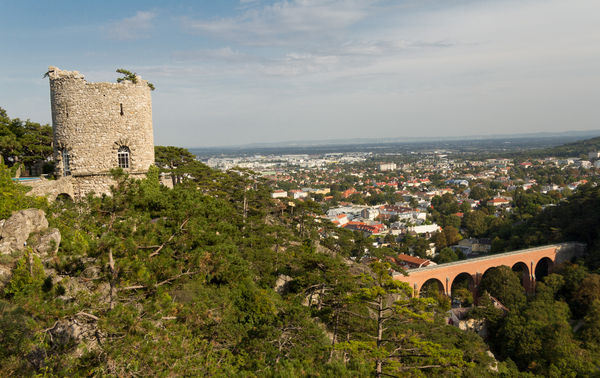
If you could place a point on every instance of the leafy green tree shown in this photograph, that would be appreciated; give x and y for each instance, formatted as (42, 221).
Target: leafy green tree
(587, 293)
(450, 220)
(12, 195)
(475, 223)
(446, 255)
(465, 207)
(170, 158)
(464, 295)
(540, 340)
(452, 235)
(505, 285)
(36, 143)
(446, 204)
(590, 332)
(385, 344)
(24, 141)
(479, 193)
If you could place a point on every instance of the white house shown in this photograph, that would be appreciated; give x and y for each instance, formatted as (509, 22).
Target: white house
(298, 194)
(425, 228)
(387, 167)
(370, 213)
(279, 194)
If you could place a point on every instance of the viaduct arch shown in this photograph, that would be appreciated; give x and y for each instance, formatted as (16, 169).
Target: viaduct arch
(531, 262)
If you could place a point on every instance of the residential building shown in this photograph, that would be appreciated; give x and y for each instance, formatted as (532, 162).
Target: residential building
(412, 262)
(387, 167)
(279, 194)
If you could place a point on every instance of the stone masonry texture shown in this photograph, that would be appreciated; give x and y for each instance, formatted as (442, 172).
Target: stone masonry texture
(91, 121)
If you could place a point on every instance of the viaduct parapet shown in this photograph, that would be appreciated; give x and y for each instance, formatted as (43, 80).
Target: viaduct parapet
(530, 262)
(99, 126)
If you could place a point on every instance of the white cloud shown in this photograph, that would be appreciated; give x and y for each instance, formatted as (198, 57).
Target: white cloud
(133, 27)
(286, 20)
(223, 54)
(469, 68)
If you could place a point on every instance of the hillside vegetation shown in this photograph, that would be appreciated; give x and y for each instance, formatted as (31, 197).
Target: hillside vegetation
(575, 149)
(215, 278)
(210, 278)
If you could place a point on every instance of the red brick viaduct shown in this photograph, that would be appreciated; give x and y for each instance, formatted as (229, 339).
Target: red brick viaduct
(531, 262)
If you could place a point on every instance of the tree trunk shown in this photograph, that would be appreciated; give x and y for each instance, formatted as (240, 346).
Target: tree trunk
(245, 205)
(113, 289)
(334, 338)
(379, 362)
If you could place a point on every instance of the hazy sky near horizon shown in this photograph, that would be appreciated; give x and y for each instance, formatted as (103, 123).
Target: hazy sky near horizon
(249, 71)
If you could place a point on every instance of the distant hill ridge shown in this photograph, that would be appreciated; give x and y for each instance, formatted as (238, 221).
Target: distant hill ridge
(574, 149)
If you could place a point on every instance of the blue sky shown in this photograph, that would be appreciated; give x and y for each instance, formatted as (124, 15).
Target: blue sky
(238, 72)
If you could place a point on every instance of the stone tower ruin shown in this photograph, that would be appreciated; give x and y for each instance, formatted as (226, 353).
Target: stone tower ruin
(98, 127)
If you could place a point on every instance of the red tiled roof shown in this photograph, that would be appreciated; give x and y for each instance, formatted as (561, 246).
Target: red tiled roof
(413, 260)
(361, 226)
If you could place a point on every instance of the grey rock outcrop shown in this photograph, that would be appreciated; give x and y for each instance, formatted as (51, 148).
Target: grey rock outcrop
(5, 274)
(74, 331)
(14, 233)
(78, 334)
(281, 283)
(46, 242)
(15, 230)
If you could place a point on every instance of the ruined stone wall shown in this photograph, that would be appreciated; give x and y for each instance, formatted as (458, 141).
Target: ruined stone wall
(91, 121)
(51, 188)
(99, 184)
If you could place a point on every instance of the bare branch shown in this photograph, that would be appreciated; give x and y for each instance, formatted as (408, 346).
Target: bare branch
(134, 287)
(170, 238)
(51, 328)
(400, 348)
(111, 261)
(420, 367)
(88, 315)
(188, 273)
(355, 314)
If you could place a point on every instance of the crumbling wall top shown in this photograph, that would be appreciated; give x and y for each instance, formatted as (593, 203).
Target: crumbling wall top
(56, 73)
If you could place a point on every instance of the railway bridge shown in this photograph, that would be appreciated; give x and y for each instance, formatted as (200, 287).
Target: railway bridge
(533, 263)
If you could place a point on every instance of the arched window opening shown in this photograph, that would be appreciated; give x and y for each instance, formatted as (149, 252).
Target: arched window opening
(121, 106)
(66, 162)
(64, 197)
(123, 157)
